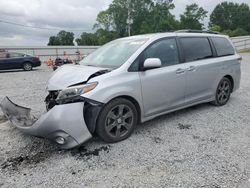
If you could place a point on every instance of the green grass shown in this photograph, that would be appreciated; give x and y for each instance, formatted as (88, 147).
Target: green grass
(245, 51)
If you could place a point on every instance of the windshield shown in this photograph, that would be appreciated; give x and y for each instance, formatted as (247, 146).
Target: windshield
(113, 54)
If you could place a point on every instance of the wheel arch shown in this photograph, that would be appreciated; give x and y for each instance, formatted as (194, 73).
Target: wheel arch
(94, 109)
(134, 101)
(26, 61)
(231, 80)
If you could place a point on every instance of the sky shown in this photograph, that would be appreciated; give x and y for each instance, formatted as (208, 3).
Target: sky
(62, 14)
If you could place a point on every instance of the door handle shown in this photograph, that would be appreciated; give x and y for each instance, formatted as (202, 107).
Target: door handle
(192, 68)
(180, 71)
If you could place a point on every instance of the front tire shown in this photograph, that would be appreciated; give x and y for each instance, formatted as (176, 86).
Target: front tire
(27, 66)
(223, 92)
(117, 120)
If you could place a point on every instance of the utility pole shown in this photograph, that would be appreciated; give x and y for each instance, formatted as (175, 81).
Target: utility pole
(129, 20)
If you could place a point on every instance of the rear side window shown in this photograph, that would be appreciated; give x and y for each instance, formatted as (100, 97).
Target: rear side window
(14, 55)
(223, 46)
(196, 48)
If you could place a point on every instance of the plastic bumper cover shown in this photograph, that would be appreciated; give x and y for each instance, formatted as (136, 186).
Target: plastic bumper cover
(65, 122)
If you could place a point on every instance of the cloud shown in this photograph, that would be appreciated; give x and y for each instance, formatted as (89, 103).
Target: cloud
(62, 14)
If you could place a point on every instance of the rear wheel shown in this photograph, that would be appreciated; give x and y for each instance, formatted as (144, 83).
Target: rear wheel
(223, 92)
(27, 66)
(117, 120)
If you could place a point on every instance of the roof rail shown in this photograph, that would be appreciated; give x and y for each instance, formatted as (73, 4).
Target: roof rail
(196, 31)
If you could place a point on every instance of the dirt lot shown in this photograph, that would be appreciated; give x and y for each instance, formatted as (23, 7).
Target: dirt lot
(203, 146)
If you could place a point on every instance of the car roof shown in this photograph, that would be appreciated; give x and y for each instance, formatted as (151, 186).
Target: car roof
(154, 36)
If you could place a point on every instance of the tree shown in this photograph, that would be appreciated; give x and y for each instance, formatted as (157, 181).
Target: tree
(239, 32)
(193, 17)
(148, 16)
(230, 16)
(66, 38)
(236, 32)
(53, 41)
(105, 36)
(104, 20)
(63, 38)
(215, 28)
(158, 19)
(87, 39)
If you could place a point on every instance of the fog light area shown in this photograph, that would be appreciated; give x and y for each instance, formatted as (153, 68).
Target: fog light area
(60, 140)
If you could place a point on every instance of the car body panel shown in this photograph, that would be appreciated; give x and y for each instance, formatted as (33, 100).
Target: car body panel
(69, 75)
(201, 79)
(162, 89)
(3, 63)
(66, 121)
(116, 84)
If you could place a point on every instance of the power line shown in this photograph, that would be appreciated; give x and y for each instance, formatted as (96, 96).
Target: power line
(83, 29)
(43, 28)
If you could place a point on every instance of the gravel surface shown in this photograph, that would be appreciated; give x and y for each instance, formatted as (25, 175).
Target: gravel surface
(203, 146)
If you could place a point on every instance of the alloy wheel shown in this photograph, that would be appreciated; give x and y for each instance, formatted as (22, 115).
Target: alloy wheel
(223, 92)
(27, 67)
(119, 121)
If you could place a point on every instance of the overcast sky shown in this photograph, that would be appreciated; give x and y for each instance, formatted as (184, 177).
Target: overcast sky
(62, 14)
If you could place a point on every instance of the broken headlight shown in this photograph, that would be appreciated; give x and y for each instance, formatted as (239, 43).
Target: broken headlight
(76, 91)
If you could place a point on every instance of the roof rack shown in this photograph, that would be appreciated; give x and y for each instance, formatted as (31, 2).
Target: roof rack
(196, 31)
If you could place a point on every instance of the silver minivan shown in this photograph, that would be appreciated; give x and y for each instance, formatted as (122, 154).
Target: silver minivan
(129, 81)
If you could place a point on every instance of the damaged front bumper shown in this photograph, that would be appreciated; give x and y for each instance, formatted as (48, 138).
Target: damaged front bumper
(64, 124)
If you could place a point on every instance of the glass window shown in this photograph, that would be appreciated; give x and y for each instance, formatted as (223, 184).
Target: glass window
(15, 55)
(114, 54)
(223, 46)
(196, 48)
(166, 50)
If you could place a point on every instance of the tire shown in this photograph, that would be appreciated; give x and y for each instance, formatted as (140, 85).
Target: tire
(117, 120)
(27, 66)
(223, 92)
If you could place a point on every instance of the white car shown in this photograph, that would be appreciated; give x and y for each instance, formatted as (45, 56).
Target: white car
(129, 81)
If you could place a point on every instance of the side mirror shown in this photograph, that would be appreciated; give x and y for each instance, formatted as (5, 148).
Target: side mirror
(152, 63)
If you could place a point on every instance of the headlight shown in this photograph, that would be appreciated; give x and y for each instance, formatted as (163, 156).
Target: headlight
(76, 91)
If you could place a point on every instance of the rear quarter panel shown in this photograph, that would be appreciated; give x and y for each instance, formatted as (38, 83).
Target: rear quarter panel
(231, 67)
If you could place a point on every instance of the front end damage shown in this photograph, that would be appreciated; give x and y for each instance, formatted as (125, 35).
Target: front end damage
(67, 124)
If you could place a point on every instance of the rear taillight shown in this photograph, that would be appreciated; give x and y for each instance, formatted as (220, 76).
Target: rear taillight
(36, 59)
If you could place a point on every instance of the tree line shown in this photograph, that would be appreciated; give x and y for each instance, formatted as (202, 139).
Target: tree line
(151, 16)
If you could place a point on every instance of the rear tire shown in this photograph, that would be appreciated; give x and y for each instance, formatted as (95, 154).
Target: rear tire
(27, 66)
(117, 120)
(223, 92)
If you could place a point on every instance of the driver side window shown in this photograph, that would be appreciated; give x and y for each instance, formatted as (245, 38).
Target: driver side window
(166, 50)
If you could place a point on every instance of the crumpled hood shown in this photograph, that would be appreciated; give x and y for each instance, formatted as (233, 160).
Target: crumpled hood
(69, 75)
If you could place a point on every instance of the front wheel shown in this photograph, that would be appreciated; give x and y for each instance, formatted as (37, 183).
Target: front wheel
(117, 120)
(223, 92)
(27, 66)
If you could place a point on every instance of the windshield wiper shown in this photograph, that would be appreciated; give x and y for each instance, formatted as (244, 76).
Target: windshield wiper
(90, 65)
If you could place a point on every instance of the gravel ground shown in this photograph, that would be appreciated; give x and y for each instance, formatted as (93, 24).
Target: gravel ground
(203, 146)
